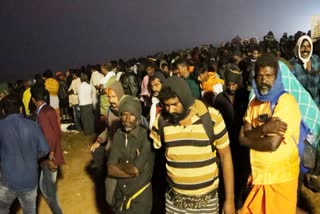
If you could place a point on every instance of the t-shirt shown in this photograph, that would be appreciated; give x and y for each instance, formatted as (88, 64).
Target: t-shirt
(281, 165)
(191, 163)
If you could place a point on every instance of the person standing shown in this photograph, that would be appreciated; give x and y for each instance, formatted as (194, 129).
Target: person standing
(22, 144)
(101, 147)
(192, 134)
(184, 72)
(87, 102)
(131, 161)
(306, 67)
(74, 100)
(47, 120)
(233, 103)
(52, 85)
(272, 134)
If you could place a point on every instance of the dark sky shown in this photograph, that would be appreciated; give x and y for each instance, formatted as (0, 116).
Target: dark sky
(60, 34)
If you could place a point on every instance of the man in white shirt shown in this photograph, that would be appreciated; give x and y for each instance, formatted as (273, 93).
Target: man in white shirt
(87, 101)
(95, 80)
(73, 99)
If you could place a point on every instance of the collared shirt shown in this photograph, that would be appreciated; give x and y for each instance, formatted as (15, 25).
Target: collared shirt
(21, 145)
(73, 98)
(106, 78)
(52, 86)
(86, 94)
(96, 78)
(133, 148)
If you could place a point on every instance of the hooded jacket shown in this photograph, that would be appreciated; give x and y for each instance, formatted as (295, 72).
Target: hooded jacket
(182, 89)
(113, 119)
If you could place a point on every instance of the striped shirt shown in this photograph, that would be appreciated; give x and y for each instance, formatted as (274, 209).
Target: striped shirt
(191, 164)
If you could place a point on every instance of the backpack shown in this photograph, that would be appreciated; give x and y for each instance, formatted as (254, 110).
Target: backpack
(206, 122)
(304, 147)
(130, 84)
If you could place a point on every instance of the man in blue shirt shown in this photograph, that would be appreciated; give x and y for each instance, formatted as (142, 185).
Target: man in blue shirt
(22, 144)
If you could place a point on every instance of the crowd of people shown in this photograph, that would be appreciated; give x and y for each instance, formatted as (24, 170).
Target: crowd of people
(202, 130)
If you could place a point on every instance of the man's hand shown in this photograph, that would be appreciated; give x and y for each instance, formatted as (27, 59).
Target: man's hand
(274, 126)
(52, 167)
(308, 68)
(71, 91)
(228, 207)
(94, 146)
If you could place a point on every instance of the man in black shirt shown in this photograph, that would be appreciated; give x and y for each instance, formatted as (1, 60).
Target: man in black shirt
(131, 161)
(232, 103)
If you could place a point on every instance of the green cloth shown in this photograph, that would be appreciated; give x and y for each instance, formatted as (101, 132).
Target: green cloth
(194, 86)
(4, 87)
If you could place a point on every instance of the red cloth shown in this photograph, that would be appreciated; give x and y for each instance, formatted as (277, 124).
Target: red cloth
(48, 122)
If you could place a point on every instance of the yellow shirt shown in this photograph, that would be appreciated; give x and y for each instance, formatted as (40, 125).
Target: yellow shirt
(26, 97)
(281, 165)
(52, 86)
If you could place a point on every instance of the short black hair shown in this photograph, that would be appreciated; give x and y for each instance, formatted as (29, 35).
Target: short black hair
(164, 65)
(48, 73)
(267, 60)
(201, 69)
(150, 64)
(11, 104)
(256, 47)
(84, 77)
(167, 93)
(183, 61)
(38, 92)
(107, 65)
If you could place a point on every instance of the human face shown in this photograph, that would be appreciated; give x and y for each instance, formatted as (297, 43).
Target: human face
(232, 88)
(305, 49)
(150, 71)
(113, 99)
(265, 78)
(236, 59)
(128, 121)
(155, 87)
(104, 71)
(203, 77)
(183, 71)
(175, 108)
(255, 54)
(165, 69)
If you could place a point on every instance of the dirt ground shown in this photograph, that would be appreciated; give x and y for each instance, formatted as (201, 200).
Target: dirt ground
(76, 188)
(79, 193)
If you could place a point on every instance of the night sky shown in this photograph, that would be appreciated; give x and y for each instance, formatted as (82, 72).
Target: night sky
(61, 34)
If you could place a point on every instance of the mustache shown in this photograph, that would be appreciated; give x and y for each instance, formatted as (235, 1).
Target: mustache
(264, 85)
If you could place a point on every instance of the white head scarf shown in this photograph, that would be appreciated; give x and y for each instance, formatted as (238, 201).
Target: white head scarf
(297, 50)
